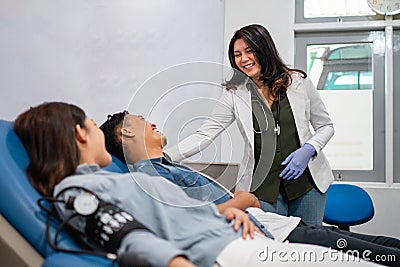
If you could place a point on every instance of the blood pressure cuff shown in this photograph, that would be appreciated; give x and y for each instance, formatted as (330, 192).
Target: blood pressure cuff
(108, 225)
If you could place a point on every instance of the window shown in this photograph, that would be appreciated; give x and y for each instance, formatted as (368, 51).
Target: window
(340, 66)
(348, 70)
(349, 80)
(353, 57)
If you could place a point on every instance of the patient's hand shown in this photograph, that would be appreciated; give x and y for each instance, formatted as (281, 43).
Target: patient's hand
(241, 220)
(249, 197)
(180, 261)
(242, 201)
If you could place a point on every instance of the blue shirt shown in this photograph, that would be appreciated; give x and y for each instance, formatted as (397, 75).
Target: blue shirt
(192, 182)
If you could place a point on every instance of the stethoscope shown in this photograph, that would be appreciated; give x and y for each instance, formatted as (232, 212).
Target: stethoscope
(277, 128)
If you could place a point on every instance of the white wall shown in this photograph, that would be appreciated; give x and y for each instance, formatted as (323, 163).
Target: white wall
(385, 221)
(96, 53)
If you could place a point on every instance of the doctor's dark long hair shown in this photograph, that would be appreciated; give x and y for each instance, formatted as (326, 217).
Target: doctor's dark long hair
(274, 73)
(48, 135)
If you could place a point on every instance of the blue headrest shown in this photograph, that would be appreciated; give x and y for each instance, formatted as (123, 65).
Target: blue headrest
(18, 200)
(116, 166)
(18, 197)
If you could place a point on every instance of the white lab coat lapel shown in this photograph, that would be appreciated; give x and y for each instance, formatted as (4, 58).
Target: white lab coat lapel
(297, 100)
(243, 113)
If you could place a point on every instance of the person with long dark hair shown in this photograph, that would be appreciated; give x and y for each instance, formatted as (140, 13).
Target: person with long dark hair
(67, 151)
(273, 105)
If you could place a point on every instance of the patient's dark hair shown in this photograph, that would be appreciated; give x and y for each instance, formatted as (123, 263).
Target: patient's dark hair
(47, 132)
(111, 129)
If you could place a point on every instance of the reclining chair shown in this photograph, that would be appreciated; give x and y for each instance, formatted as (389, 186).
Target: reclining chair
(22, 223)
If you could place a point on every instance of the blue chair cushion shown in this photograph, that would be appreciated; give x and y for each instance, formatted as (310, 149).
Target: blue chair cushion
(79, 260)
(347, 204)
(18, 203)
(116, 166)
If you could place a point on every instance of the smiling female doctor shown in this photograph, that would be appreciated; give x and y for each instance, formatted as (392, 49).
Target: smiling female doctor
(283, 164)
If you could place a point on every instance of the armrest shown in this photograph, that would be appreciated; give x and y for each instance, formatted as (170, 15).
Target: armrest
(18, 245)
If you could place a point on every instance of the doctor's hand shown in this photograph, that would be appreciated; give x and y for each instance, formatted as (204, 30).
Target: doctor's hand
(297, 162)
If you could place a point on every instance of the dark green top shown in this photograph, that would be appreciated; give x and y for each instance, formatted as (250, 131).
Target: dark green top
(286, 142)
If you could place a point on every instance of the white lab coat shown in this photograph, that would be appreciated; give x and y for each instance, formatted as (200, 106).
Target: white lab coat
(307, 107)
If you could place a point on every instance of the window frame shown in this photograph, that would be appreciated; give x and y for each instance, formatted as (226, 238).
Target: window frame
(396, 108)
(302, 39)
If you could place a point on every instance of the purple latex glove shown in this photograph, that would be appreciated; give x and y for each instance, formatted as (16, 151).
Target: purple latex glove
(297, 162)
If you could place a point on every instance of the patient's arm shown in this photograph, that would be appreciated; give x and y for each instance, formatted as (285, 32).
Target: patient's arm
(242, 201)
(156, 250)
